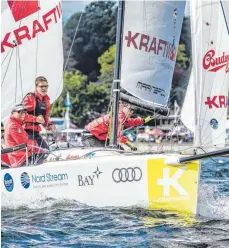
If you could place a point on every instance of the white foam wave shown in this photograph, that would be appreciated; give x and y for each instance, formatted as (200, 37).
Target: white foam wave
(211, 204)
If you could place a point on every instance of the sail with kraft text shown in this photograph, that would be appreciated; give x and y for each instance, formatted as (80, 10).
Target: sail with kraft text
(205, 107)
(151, 33)
(31, 46)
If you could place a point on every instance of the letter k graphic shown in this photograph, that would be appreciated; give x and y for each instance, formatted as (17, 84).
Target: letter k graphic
(167, 181)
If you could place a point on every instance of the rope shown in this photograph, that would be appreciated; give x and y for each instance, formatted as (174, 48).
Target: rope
(38, 15)
(70, 50)
(7, 67)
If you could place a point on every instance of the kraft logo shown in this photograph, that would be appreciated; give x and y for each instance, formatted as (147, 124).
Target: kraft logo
(216, 101)
(168, 181)
(22, 9)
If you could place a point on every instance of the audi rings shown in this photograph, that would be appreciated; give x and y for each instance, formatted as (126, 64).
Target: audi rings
(127, 174)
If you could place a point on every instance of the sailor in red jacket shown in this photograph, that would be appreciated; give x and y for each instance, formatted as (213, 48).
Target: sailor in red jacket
(15, 135)
(38, 106)
(99, 128)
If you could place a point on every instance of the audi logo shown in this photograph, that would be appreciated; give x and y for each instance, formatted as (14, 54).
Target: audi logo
(127, 174)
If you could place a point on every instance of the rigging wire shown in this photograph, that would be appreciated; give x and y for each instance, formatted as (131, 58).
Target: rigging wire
(19, 62)
(70, 50)
(66, 63)
(5, 57)
(7, 67)
(36, 63)
(15, 92)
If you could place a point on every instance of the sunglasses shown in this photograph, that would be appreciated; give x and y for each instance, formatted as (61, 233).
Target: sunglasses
(43, 86)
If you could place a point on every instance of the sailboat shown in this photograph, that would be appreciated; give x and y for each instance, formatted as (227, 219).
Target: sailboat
(145, 60)
(205, 107)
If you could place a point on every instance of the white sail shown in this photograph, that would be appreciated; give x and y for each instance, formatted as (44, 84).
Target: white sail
(210, 74)
(36, 26)
(151, 36)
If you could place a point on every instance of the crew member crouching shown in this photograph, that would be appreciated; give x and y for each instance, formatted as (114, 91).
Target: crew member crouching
(16, 135)
(96, 132)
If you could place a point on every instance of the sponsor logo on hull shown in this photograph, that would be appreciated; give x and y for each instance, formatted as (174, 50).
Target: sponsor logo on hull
(173, 187)
(48, 177)
(8, 182)
(130, 174)
(89, 180)
(25, 180)
(46, 180)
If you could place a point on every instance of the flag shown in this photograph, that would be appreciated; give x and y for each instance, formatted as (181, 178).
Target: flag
(67, 102)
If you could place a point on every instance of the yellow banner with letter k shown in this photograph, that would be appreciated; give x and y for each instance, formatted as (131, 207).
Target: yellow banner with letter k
(173, 187)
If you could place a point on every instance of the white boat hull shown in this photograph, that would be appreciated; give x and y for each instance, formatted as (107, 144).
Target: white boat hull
(113, 180)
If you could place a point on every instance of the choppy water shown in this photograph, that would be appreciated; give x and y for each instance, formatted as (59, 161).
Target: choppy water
(68, 224)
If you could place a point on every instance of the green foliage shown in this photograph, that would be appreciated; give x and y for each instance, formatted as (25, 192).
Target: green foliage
(185, 37)
(88, 100)
(182, 60)
(95, 35)
(75, 83)
(106, 62)
(182, 69)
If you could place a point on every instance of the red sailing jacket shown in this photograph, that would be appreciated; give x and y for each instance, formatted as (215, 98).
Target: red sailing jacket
(30, 103)
(100, 127)
(16, 135)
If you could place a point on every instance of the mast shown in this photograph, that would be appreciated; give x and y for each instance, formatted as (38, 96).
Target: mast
(67, 118)
(116, 81)
(196, 91)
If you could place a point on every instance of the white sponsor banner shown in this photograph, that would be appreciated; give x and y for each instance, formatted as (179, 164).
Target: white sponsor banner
(151, 36)
(31, 46)
(98, 182)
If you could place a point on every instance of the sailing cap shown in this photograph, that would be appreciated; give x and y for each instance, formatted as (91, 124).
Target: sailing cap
(18, 107)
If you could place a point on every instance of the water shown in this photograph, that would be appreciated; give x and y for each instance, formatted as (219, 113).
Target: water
(69, 224)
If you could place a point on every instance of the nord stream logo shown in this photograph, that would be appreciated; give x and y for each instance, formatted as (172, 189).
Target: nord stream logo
(172, 181)
(48, 177)
(25, 180)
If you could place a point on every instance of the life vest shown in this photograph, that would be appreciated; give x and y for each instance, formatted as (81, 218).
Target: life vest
(41, 107)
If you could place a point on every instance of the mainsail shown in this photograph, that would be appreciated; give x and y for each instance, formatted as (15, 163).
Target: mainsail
(151, 33)
(205, 106)
(147, 38)
(31, 46)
